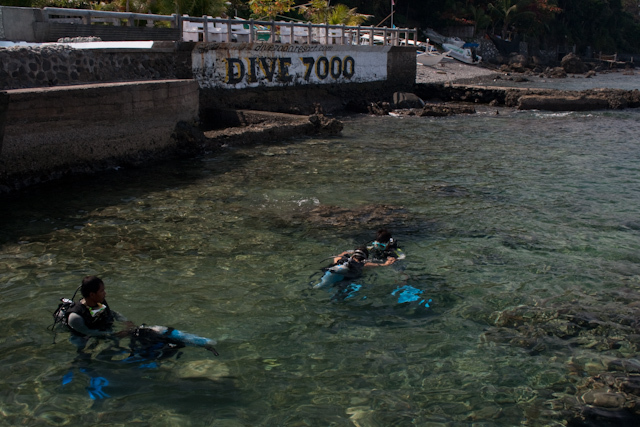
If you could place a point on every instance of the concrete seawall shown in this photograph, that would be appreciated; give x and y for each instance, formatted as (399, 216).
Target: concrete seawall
(52, 132)
(82, 107)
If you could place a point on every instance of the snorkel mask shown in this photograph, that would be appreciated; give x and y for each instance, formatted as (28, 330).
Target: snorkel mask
(382, 246)
(379, 246)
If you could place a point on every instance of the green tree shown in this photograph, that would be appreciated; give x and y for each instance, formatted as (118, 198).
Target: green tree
(320, 11)
(189, 7)
(602, 25)
(341, 14)
(505, 12)
(269, 8)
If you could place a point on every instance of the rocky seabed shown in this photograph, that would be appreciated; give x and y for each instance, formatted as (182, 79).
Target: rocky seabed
(599, 343)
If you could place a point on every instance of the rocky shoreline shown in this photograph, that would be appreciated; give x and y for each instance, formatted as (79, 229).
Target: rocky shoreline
(517, 69)
(443, 89)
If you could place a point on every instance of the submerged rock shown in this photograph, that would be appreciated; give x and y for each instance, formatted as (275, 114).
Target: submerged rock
(345, 217)
(208, 369)
(604, 373)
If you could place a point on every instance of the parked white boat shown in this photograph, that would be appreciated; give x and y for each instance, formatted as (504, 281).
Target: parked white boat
(430, 59)
(463, 54)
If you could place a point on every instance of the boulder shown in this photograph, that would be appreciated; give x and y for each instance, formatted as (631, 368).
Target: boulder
(326, 125)
(556, 73)
(403, 100)
(379, 108)
(518, 63)
(572, 64)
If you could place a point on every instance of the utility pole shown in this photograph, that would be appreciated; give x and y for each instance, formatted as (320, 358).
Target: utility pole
(392, 4)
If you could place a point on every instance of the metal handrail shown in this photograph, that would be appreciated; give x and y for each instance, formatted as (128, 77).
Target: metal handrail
(358, 35)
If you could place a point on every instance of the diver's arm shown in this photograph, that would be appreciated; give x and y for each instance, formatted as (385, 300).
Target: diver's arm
(119, 317)
(389, 261)
(76, 322)
(341, 257)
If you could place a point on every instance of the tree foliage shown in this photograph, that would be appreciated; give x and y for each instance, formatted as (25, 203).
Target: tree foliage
(603, 25)
(320, 11)
(270, 8)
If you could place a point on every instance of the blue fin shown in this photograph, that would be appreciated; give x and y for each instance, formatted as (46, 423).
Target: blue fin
(95, 388)
(410, 294)
(68, 377)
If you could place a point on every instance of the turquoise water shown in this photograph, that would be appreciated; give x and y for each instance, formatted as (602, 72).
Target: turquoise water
(492, 211)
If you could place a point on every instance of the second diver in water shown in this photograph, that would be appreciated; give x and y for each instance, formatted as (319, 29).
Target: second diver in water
(348, 266)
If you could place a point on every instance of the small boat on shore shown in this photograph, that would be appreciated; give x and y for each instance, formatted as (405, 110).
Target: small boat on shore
(429, 55)
(464, 53)
(430, 59)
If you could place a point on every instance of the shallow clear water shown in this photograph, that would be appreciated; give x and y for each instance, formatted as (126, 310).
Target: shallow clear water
(492, 211)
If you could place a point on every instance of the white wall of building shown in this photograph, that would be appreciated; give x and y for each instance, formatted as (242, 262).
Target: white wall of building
(245, 65)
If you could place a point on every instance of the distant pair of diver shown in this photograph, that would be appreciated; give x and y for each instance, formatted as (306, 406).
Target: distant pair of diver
(382, 251)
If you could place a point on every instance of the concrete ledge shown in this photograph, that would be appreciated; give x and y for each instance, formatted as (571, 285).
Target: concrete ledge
(562, 103)
(55, 131)
(526, 99)
(251, 127)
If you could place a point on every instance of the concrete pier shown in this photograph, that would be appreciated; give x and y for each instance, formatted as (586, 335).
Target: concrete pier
(52, 132)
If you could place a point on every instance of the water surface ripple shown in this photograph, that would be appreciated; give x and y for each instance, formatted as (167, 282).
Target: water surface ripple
(518, 210)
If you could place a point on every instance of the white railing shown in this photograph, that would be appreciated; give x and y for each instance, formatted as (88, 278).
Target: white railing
(88, 17)
(240, 30)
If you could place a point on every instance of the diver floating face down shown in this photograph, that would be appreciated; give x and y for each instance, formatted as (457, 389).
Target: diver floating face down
(346, 266)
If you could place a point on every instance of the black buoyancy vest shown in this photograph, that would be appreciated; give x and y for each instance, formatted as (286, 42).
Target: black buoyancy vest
(354, 267)
(102, 322)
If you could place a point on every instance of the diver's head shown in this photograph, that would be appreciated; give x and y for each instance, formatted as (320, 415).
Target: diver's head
(383, 236)
(360, 254)
(383, 239)
(92, 289)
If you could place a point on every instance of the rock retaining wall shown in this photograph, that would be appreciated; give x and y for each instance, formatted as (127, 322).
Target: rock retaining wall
(59, 65)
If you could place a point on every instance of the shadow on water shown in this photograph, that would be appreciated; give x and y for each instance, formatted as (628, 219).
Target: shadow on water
(64, 203)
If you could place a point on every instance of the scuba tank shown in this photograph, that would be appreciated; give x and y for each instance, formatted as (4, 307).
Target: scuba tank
(347, 268)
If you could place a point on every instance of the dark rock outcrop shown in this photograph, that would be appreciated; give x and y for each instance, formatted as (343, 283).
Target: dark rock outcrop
(402, 100)
(326, 125)
(572, 64)
(441, 110)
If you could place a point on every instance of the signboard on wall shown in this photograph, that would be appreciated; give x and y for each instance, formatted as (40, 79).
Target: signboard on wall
(244, 65)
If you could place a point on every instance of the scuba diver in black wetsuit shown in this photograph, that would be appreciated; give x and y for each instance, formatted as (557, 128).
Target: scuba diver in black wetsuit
(92, 317)
(346, 266)
(385, 248)
(349, 265)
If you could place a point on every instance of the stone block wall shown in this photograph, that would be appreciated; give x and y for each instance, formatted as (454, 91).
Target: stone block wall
(58, 65)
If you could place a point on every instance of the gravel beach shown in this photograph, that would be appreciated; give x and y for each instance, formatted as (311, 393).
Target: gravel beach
(450, 70)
